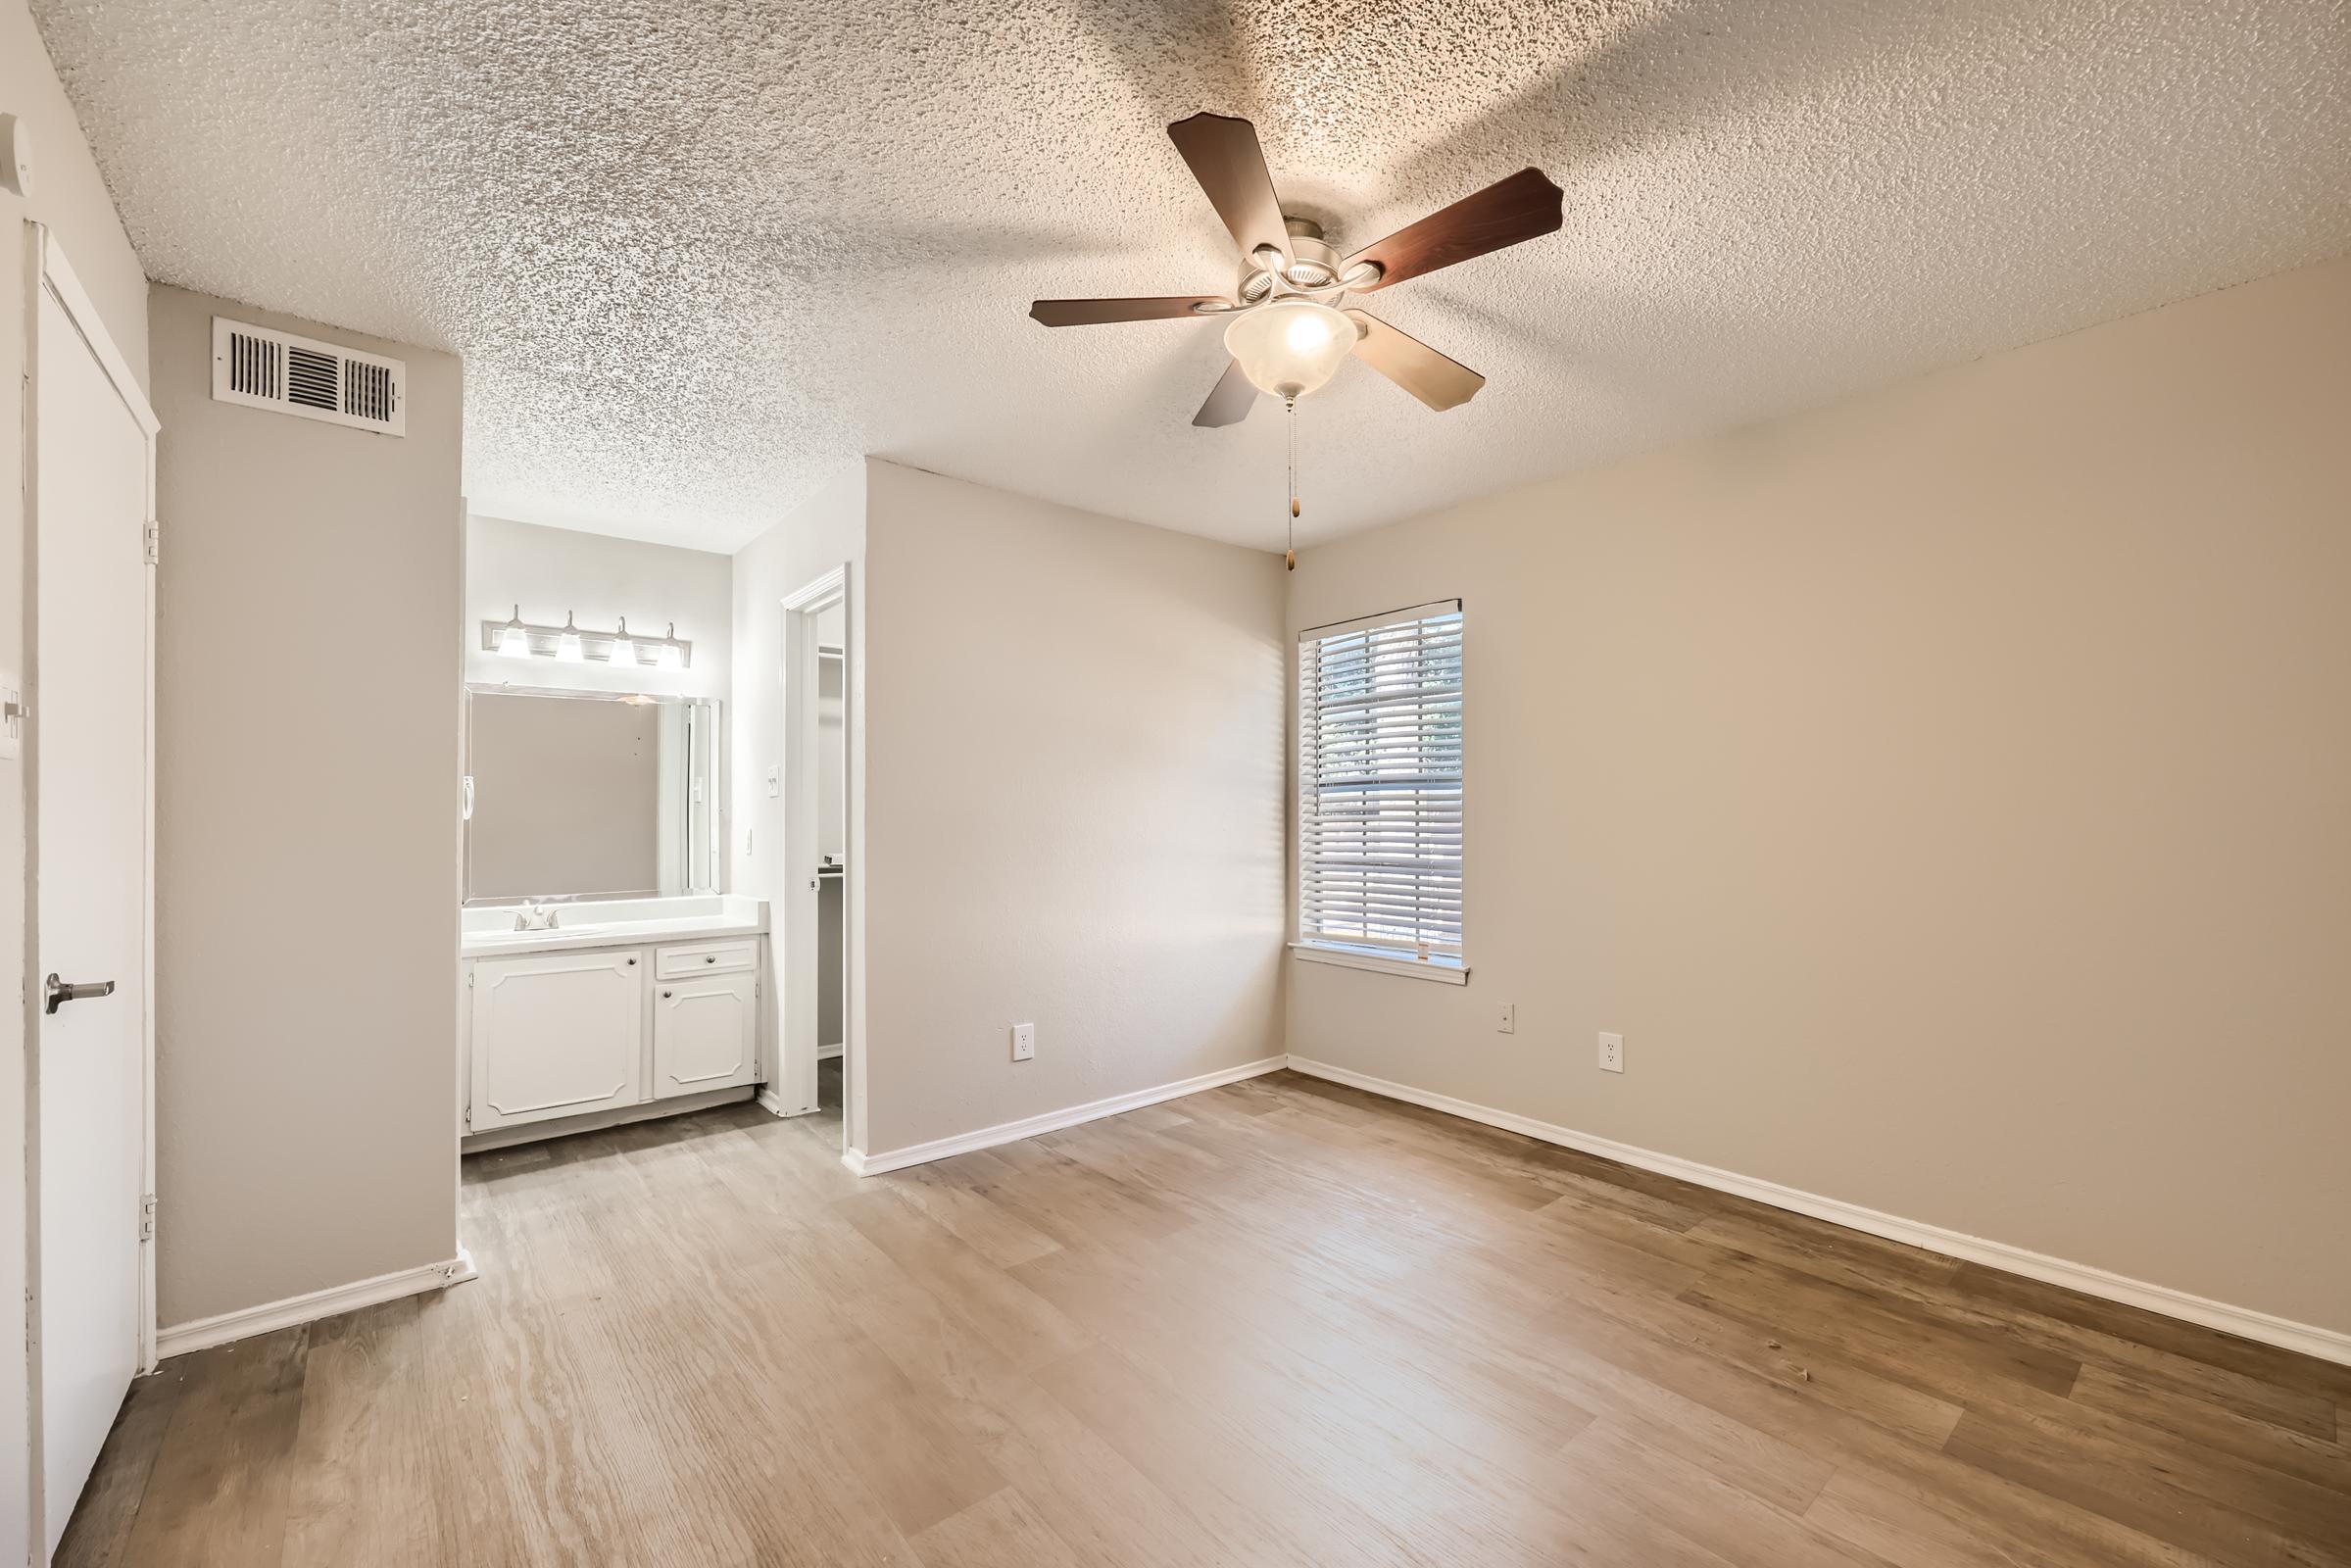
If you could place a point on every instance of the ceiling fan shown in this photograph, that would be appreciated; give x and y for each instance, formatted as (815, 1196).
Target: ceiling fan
(1284, 327)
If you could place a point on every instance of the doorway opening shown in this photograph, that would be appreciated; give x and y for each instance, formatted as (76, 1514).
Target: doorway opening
(820, 1064)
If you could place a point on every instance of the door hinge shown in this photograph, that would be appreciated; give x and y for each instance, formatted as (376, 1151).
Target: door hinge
(152, 535)
(147, 1217)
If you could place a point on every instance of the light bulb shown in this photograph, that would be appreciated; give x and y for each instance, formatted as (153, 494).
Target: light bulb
(1305, 333)
(1291, 347)
(513, 642)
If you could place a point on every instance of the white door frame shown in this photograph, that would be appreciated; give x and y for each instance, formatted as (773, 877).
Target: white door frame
(796, 1081)
(47, 272)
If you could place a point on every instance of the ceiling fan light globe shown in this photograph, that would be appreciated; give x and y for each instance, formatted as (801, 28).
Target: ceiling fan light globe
(1291, 347)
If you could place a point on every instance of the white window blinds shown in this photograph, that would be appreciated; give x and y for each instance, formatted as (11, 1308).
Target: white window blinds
(1379, 784)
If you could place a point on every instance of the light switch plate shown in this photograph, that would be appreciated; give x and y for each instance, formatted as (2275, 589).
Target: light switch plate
(16, 155)
(12, 717)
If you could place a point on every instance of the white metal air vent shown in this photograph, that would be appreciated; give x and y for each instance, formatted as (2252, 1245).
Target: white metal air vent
(272, 370)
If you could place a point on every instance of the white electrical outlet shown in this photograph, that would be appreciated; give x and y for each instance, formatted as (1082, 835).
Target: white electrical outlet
(1612, 1052)
(1508, 1021)
(1024, 1041)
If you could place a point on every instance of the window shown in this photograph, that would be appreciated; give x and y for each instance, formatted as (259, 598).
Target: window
(1379, 859)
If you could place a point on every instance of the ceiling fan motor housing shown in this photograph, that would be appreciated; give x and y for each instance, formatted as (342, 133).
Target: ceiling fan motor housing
(1312, 262)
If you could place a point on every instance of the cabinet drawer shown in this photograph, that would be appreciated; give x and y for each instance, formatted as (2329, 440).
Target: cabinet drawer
(705, 958)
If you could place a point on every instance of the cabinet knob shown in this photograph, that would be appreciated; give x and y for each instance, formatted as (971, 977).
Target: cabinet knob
(710, 958)
(632, 963)
(669, 993)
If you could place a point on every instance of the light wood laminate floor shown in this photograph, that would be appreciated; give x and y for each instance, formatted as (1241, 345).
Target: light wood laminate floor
(1276, 1324)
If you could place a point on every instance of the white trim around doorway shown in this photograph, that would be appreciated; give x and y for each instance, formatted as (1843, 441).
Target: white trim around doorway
(793, 1088)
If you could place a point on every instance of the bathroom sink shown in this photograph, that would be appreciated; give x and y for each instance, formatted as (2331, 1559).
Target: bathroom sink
(508, 936)
(491, 928)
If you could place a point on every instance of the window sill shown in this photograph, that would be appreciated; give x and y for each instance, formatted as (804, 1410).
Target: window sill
(1444, 971)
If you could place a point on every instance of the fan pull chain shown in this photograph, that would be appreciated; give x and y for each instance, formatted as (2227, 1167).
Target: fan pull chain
(1290, 557)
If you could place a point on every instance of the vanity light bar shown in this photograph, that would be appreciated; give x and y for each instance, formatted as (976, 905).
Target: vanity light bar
(522, 639)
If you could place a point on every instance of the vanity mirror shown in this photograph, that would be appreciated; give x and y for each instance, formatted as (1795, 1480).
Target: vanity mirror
(589, 795)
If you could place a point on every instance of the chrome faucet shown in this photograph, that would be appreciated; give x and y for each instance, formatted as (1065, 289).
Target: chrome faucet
(535, 916)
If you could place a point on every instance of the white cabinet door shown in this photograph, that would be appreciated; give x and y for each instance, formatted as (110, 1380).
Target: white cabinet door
(705, 1034)
(557, 1034)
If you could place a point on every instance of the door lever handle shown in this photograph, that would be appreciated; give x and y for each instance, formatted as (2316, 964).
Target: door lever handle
(60, 993)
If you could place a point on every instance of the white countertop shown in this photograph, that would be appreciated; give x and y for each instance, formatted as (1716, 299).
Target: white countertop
(489, 932)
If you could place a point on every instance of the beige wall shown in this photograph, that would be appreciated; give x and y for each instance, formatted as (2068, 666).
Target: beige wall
(69, 197)
(1945, 795)
(306, 831)
(827, 531)
(1073, 786)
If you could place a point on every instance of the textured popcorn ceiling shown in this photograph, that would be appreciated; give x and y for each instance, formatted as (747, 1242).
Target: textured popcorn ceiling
(699, 254)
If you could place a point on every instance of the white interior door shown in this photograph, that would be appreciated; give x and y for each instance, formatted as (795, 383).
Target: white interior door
(93, 481)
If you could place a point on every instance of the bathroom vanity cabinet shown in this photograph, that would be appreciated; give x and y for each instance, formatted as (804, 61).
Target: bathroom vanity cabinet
(556, 1034)
(590, 1034)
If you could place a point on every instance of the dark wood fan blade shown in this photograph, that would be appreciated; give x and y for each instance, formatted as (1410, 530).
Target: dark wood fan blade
(1436, 379)
(1094, 313)
(1229, 166)
(1522, 207)
(1231, 400)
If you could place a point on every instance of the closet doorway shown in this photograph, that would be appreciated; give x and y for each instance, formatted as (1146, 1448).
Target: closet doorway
(820, 1064)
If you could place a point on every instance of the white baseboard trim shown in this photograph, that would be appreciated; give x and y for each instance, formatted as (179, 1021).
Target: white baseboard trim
(2327, 1344)
(1050, 1121)
(206, 1332)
